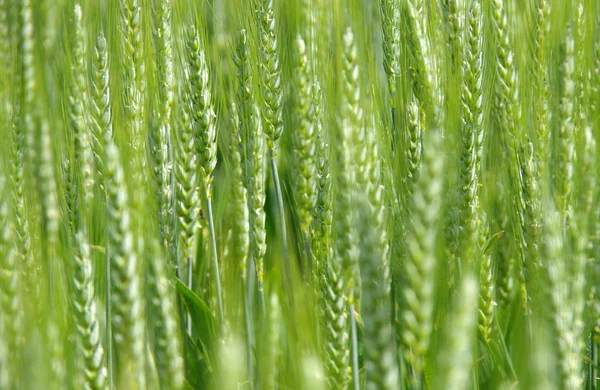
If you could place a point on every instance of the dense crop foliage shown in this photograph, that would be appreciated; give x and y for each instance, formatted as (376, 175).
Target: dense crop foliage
(299, 194)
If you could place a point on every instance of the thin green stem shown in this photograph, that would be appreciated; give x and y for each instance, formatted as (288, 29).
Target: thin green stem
(286, 262)
(213, 240)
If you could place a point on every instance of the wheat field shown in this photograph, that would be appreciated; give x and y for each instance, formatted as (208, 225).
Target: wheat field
(299, 194)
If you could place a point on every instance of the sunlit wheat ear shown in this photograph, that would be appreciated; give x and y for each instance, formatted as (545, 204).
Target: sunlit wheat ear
(556, 291)
(168, 347)
(420, 266)
(5, 51)
(85, 316)
(470, 134)
(413, 150)
(28, 73)
(272, 89)
(390, 24)
(10, 298)
(322, 213)
(532, 220)
(380, 352)
(486, 305)
(17, 173)
(77, 110)
(508, 94)
(132, 66)
(563, 166)
(238, 243)
(455, 20)
(252, 152)
(160, 133)
(349, 147)
(186, 181)
(305, 164)
(127, 302)
(424, 71)
(202, 107)
(456, 356)
(51, 217)
(335, 324)
(101, 114)
(542, 86)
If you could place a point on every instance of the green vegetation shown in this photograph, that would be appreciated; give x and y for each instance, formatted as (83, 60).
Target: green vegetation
(299, 194)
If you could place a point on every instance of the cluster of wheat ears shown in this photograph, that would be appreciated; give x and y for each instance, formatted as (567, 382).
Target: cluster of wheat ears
(299, 194)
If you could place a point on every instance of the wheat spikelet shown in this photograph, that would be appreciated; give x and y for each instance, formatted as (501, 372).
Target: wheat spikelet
(305, 191)
(186, 180)
(322, 215)
(101, 114)
(10, 296)
(334, 323)
(252, 153)
(203, 112)
(126, 300)
(390, 25)
(169, 359)
(380, 353)
(353, 158)
(85, 316)
(486, 307)
(78, 98)
(29, 83)
(240, 231)
(563, 175)
(271, 75)
(542, 85)
(456, 355)
(133, 65)
(51, 217)
(22, 233)
(160, 136)
(471, 132)
(420, 265)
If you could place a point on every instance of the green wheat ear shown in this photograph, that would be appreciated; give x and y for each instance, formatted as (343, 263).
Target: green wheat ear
(10, 298)
(305, 192)
(78, 112)
(160, 135)
(86, 317)
(417, 313)
(270, 75)
(168, 347)
(380, 352)
(127, 302)
(101, 114)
